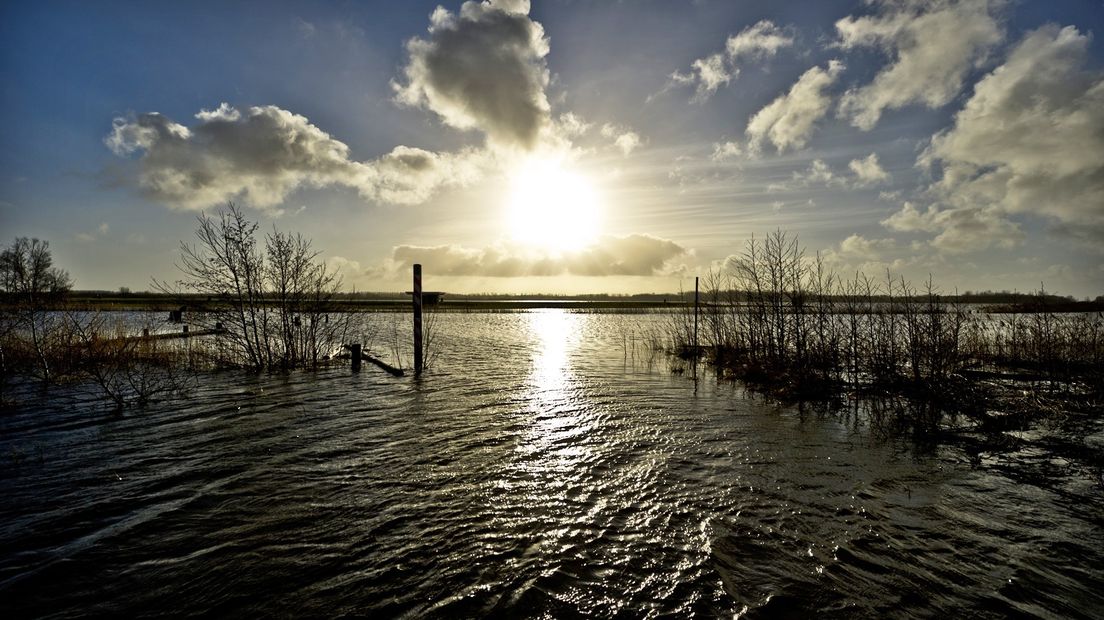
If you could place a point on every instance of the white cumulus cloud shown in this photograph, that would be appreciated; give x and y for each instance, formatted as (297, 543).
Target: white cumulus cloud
(265, 154)
(933, 45)
(960, 231)
(789, 120)
(867, 170)
(761, 40)
(859, 247)
(1029, 141)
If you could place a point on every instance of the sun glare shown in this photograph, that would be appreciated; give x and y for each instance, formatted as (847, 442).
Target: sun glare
(552, 207)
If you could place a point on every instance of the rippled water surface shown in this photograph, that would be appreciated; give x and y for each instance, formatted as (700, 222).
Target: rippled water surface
(544, 467)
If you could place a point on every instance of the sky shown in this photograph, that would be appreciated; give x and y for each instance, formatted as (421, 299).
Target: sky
(563, 146)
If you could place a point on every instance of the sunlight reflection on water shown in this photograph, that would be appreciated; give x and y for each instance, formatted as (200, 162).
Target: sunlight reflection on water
(556, 334)
(556, 408)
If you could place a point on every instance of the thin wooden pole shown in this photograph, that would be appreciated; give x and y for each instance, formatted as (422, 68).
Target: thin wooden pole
(695, 316)
(417, 319)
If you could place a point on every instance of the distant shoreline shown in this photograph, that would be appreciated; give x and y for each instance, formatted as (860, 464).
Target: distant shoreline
(353, 302)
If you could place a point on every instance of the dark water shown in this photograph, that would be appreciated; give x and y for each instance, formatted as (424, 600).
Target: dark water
(544, 468)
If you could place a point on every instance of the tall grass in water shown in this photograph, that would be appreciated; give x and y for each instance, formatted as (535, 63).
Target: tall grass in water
(1062, 351)
(102, 353)
(130, 370)
(787, 323)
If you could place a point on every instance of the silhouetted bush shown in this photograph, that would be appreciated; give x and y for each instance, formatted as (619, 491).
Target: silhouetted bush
(787, 324)
(272, 303)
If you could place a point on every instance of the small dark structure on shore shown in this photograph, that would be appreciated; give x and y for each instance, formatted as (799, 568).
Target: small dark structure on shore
(430, 298)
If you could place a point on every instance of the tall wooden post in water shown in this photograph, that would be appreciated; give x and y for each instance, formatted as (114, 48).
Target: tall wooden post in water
(695, 317)
(417, 319)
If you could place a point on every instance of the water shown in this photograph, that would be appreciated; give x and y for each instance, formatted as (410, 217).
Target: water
(547, 466)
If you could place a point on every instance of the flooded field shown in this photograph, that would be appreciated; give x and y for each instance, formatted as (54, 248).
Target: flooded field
(546, 466)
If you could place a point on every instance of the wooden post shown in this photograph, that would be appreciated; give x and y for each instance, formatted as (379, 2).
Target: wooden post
(354, 353)
(695, 317)
(417, 319)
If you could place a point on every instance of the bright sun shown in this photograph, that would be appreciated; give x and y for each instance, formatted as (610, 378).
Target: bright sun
(552, 207)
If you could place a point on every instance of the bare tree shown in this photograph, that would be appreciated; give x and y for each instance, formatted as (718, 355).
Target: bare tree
(30, 284)
(273, 305)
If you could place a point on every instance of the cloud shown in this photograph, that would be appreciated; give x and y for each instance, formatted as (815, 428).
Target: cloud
(859, 247)
(723, 151)
(762, 39)
(1027, 142)
(482, 69)
(632, 255)
(89, 236)
(265, 154)
(628, 142)
(409, 175)
(347, 269)
(306, 29)
(572, 125)
(867, 170)
(817, 173)
(933, 45)
(624, 139)
(223, 113)
(911, 219)
(1085, 237)
(960, 230)
(130, 135)
(789, 120)
(281, 212)
(864, 172)
(707, 74)
(1030, 138)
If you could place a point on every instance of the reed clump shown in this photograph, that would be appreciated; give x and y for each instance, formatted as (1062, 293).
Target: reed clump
(100, 353)
(788, 325)
(128, 370)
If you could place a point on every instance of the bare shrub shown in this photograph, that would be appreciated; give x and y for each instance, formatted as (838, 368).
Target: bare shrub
(273, 306)
(129, 370)
(793, 327)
